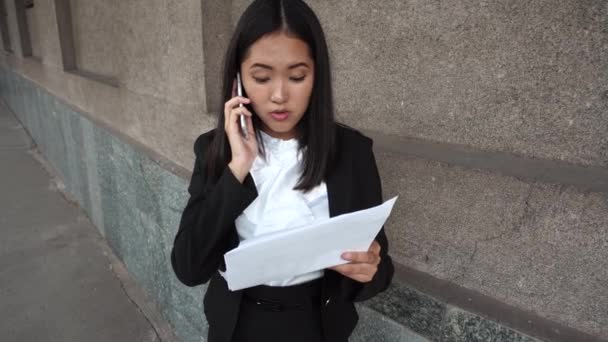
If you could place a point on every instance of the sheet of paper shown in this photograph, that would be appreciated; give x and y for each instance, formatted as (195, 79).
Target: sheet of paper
(304, 249)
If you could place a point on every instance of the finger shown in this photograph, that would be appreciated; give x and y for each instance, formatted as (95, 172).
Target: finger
(240, 111)
(231, 122)
(250, 129)
(349, 269)
(234, 102)
(375, 247)
(365, 258)
(360, 257)
(232, 119)
(236, 114)
(363, 276)
(343, 269)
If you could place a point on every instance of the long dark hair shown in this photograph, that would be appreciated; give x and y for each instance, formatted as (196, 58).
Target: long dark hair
(316, 128)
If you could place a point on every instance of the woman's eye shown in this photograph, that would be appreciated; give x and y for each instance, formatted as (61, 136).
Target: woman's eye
(298, 79)
(264, 80)
(260, 80)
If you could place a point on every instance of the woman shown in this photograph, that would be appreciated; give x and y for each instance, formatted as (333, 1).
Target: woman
(295, 166)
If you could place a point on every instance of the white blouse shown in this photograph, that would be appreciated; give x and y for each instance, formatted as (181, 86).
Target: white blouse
(278, 206)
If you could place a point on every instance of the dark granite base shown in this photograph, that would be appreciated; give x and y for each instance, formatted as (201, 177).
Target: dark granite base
(411, 308)
(462, 326)
(437, 321)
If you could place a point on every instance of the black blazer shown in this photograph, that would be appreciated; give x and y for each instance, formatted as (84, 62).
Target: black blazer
(207, 231)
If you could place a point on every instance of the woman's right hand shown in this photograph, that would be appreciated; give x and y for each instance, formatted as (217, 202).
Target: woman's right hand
(244, 150)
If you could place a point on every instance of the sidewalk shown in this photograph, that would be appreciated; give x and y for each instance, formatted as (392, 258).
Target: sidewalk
(58, 278)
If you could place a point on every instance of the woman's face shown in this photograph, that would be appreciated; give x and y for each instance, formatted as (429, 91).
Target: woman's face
(278, 76)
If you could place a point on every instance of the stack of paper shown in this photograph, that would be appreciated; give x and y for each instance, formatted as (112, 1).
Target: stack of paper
(304, 249)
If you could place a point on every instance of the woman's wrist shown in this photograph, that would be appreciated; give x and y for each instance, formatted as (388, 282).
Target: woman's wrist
(239, 170)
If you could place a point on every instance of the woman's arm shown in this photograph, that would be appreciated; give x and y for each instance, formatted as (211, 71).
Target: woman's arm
(207, 221)
(383, 276)
(370, 190)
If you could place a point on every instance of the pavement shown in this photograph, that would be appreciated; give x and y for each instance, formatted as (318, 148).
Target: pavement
(59, 280)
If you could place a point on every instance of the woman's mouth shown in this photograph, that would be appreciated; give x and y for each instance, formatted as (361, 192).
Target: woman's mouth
(279, 116)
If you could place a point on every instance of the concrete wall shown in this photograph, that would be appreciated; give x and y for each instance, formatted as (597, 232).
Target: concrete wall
(97, 36)
(32, 16)
(12, 27)
(525, 78)
(540, 247)
(528, 78)
(46, 34)
(157, 54)
(490, 122)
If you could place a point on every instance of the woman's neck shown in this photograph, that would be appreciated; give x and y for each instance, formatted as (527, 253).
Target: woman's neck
(280, 135)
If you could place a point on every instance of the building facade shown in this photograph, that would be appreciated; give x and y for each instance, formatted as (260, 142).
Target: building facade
(490, 121)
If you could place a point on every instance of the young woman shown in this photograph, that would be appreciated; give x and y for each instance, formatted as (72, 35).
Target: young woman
(295, 166)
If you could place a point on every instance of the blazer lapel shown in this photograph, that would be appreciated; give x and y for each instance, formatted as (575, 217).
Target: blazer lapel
(339, 187)
(249, 183)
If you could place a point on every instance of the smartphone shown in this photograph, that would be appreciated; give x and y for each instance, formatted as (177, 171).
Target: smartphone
(239, 92)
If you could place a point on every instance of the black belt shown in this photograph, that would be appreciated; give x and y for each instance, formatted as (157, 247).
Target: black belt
(277, 306)
(306, 296)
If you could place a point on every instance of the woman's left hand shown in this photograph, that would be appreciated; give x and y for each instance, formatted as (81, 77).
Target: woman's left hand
(362, 266)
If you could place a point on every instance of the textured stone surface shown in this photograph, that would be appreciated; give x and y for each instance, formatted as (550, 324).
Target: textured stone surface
(95, 31)
(150, 115)
(31, 17)
(461, 326)
(518, 76)
(162, 49)
(48, 35)
(158, 51)
(12, 28)
(153, 49)
(539, 247)
(106, 183)
(416, 311)
(376, 327)
(93, 205)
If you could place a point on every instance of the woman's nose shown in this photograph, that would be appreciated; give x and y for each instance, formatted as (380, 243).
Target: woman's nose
(279, 93)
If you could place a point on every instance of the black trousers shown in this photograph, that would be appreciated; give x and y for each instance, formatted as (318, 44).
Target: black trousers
(276, 314)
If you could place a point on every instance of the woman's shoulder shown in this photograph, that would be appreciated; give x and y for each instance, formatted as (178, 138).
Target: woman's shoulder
(203, 140)
(349, 136)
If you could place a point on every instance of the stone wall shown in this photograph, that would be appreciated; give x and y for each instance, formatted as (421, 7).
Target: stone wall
(155, 66)
(490, 121)
(518, 81)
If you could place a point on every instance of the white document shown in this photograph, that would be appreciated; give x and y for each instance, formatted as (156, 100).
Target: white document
(304, 249)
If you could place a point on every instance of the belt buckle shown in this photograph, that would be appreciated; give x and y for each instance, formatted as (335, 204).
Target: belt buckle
(269, 305)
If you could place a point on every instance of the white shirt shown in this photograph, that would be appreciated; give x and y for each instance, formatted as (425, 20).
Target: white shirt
(278, 206)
